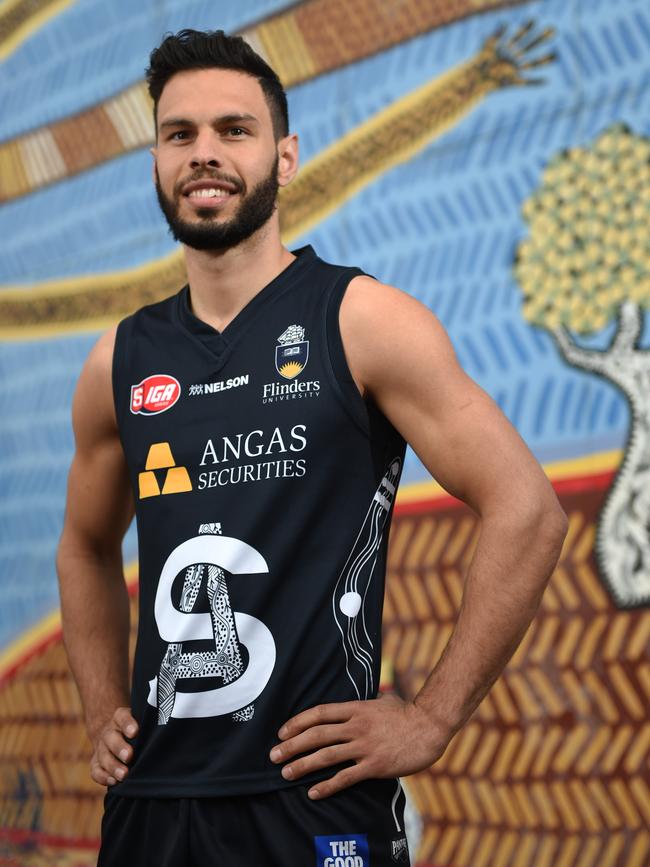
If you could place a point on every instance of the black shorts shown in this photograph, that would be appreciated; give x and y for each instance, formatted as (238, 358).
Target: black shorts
(362, 826)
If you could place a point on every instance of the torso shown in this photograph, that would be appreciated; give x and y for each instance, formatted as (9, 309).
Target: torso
(263, 505)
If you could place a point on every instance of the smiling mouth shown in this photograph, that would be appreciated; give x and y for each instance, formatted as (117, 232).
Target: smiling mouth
(209, 193)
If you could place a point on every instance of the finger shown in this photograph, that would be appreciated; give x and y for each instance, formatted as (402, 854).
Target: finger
(318, 736)
(521, 32)
(321, 713)
(99, 775)
(125, 721)
(324, 758)
(120, 748)
(540, 61)
(343, 780)
(109, 763)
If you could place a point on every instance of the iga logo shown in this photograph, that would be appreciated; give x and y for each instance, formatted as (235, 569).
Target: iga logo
(154, 394)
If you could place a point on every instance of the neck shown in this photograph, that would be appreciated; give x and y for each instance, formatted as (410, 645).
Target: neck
(222, 282)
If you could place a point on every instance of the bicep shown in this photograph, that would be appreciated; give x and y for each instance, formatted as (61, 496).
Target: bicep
(99, 505)
(407, 363)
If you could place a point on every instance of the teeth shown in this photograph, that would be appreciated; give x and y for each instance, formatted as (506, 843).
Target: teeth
(208, 193)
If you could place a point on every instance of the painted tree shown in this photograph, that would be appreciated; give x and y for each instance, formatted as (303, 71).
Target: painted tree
(586, 263)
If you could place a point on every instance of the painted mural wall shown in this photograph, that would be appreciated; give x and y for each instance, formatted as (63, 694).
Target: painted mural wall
(490, 158)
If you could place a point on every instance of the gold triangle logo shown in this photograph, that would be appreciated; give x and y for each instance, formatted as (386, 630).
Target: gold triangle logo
(177, 479)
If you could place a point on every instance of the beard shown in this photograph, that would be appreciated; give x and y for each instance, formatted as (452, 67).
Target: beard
(211, 232)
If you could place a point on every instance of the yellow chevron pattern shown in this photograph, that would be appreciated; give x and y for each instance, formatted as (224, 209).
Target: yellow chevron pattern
(554, 767)
(43, 741)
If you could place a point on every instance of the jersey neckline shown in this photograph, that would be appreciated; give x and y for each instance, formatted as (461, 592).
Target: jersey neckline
(219, 343)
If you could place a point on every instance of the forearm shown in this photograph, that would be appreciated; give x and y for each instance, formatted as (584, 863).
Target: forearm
(503, 588)
(96, 622)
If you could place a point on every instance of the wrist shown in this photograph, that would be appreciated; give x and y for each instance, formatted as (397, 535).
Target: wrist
(100, 717)
(444, 723)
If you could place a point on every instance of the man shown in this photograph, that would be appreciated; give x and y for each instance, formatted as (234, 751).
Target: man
(256, 422)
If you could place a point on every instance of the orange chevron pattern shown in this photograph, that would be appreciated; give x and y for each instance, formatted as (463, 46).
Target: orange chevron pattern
(553, 769)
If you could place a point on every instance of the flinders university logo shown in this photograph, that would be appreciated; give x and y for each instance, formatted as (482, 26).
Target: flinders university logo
(292, 353)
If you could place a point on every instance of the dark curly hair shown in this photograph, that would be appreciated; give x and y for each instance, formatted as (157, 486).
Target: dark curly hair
(214, 49)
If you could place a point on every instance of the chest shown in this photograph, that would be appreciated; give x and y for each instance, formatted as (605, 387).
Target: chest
(263, 400)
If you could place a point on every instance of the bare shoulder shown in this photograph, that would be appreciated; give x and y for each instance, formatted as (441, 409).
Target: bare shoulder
(369, 300)
(100, 357)
(403, 356)
(389, 335)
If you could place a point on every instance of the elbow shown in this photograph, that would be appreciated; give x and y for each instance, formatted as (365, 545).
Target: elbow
(558, 528)
(562, 522)
(556, 517)
(534, 514)
(550, 521)
(531, 514)
(66, 552)
(78, 554)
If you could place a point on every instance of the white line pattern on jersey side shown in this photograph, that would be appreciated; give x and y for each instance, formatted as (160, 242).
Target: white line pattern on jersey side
(348, 600)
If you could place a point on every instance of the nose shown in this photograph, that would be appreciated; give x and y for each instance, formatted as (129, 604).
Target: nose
(205, 151)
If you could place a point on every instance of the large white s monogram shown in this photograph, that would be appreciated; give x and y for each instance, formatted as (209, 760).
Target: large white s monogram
(216, 553)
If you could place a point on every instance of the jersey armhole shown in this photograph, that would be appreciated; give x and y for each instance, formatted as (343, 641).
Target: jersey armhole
(121, 394)
(344, 385)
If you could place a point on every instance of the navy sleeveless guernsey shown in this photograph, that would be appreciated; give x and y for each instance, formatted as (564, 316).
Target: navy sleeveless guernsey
(264, 486)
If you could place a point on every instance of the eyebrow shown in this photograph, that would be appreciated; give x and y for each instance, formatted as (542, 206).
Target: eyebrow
(221, 119)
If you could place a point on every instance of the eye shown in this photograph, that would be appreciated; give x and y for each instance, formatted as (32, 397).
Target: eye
(236, 131)
(179, 135)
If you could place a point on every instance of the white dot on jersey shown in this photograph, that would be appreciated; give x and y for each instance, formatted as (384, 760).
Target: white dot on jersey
(350, 604)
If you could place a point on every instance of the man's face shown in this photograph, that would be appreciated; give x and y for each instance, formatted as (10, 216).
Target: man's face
(217, 168)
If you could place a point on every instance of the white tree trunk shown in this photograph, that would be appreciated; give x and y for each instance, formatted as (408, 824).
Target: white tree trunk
(623, 533)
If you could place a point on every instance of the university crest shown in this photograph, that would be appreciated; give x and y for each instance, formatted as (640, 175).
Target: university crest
(292, 352)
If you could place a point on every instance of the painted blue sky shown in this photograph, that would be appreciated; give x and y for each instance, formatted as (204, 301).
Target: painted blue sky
(443, 227)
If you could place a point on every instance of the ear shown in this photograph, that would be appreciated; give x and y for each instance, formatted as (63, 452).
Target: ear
(287, 159)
